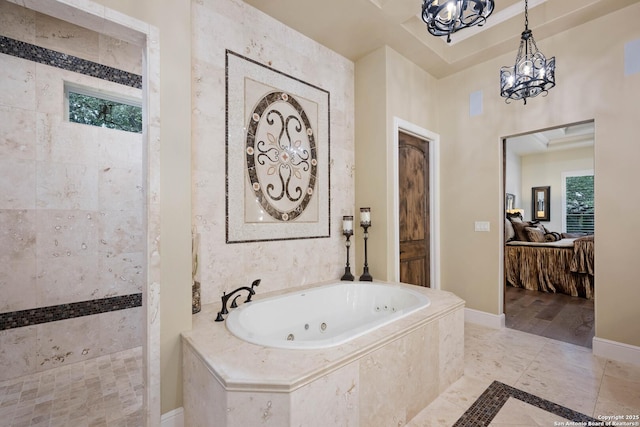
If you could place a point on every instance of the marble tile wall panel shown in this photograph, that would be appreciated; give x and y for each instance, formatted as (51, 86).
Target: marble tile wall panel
(400, 379)
(65, 37)
(120, 54)
(17, 189)
(270, 409)
(344, 411)
(450, 349)
(59, 141)
(121, 330)
(281, 264)
(17, 133)
(66, 186)
(17, 22)
(203, 396)
(17, 352)
(423, 369)
(67, 341)
(17, 83)
(18, 250)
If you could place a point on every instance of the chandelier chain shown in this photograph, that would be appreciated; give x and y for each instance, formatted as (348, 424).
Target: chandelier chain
(526, 15)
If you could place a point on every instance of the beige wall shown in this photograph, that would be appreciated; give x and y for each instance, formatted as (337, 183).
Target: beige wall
(173, 19)
(591, 85)
(388, 86)
(371, 162)
(546, 169)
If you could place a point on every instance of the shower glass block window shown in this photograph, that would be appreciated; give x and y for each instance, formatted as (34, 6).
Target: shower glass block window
(101, 109)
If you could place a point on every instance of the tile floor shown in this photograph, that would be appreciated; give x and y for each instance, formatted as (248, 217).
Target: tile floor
(529, 381)
(105, 391)
(545, 370)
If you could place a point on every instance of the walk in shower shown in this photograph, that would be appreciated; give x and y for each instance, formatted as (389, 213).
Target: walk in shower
(73, 227)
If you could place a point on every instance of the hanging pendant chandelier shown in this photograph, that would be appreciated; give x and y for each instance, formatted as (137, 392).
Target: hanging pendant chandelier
(532, 73)
(445, 17)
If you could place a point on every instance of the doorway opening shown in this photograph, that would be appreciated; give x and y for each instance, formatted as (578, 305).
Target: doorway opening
(548, 265)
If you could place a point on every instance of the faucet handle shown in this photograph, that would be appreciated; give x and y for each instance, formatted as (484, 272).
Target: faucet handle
(255, 283)
(224, 303)
(234, 304)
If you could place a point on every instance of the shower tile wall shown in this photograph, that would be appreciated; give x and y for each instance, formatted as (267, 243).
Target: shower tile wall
(224, 24)
(71, 203)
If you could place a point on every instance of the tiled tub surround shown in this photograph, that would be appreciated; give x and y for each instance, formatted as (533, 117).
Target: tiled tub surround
(383, 378)
(72, 200)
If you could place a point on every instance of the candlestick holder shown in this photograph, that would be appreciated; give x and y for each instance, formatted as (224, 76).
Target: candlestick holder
(365, 222)
(347, 269)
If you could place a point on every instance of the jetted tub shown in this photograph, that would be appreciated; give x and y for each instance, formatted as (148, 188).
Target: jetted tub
(413, 351)
(323, 317)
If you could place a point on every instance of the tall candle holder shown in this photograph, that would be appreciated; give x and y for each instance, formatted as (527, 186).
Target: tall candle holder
(365, 222)
(347, 230)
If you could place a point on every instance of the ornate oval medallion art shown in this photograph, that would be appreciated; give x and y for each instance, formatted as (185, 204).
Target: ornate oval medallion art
(281, 156)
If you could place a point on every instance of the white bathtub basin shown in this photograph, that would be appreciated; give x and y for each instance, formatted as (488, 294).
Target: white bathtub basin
(323, 317)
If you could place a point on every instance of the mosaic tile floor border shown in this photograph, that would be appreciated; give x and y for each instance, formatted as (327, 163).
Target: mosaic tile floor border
(487, 406)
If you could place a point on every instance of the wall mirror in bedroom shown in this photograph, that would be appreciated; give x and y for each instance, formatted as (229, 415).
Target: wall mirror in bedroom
(549, 243)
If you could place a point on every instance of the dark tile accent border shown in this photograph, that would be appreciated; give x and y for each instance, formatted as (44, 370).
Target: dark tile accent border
(34, 316)
(487, 406)
(53, 58)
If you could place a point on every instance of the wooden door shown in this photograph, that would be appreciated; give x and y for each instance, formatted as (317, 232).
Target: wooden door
(413, 162)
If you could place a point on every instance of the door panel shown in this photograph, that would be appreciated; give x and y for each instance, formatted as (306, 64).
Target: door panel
(413, 157)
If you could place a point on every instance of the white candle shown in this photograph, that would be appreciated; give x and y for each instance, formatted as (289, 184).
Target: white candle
(365, 215)
(347, 223)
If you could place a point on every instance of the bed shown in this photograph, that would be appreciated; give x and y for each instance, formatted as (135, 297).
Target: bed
(560, 263)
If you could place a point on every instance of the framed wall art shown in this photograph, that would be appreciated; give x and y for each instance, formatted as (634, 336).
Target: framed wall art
(540, 201)
(277, 154)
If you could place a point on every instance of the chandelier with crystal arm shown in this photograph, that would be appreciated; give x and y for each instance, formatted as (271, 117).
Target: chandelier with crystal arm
(445, 17)
(532, 73)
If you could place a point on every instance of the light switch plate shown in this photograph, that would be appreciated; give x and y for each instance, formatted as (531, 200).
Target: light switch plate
(482, 226)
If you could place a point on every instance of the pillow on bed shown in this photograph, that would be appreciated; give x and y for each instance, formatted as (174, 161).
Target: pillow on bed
(509, 232)
(552, 236)
(520, 229)
(514, 217)
(534, 234)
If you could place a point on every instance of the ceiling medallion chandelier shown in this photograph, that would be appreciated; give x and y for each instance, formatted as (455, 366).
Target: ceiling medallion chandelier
(532, 74)
(445, 17)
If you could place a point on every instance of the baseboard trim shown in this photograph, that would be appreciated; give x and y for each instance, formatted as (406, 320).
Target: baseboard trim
(495, 321)
(617, 351)
(173, 418)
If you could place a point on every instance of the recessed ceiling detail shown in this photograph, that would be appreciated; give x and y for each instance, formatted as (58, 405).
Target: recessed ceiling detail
(355, 28)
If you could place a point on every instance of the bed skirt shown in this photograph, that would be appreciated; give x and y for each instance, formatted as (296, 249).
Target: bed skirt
(548, 269)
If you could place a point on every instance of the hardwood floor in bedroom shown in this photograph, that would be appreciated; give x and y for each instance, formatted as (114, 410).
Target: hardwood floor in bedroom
(561, 317)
